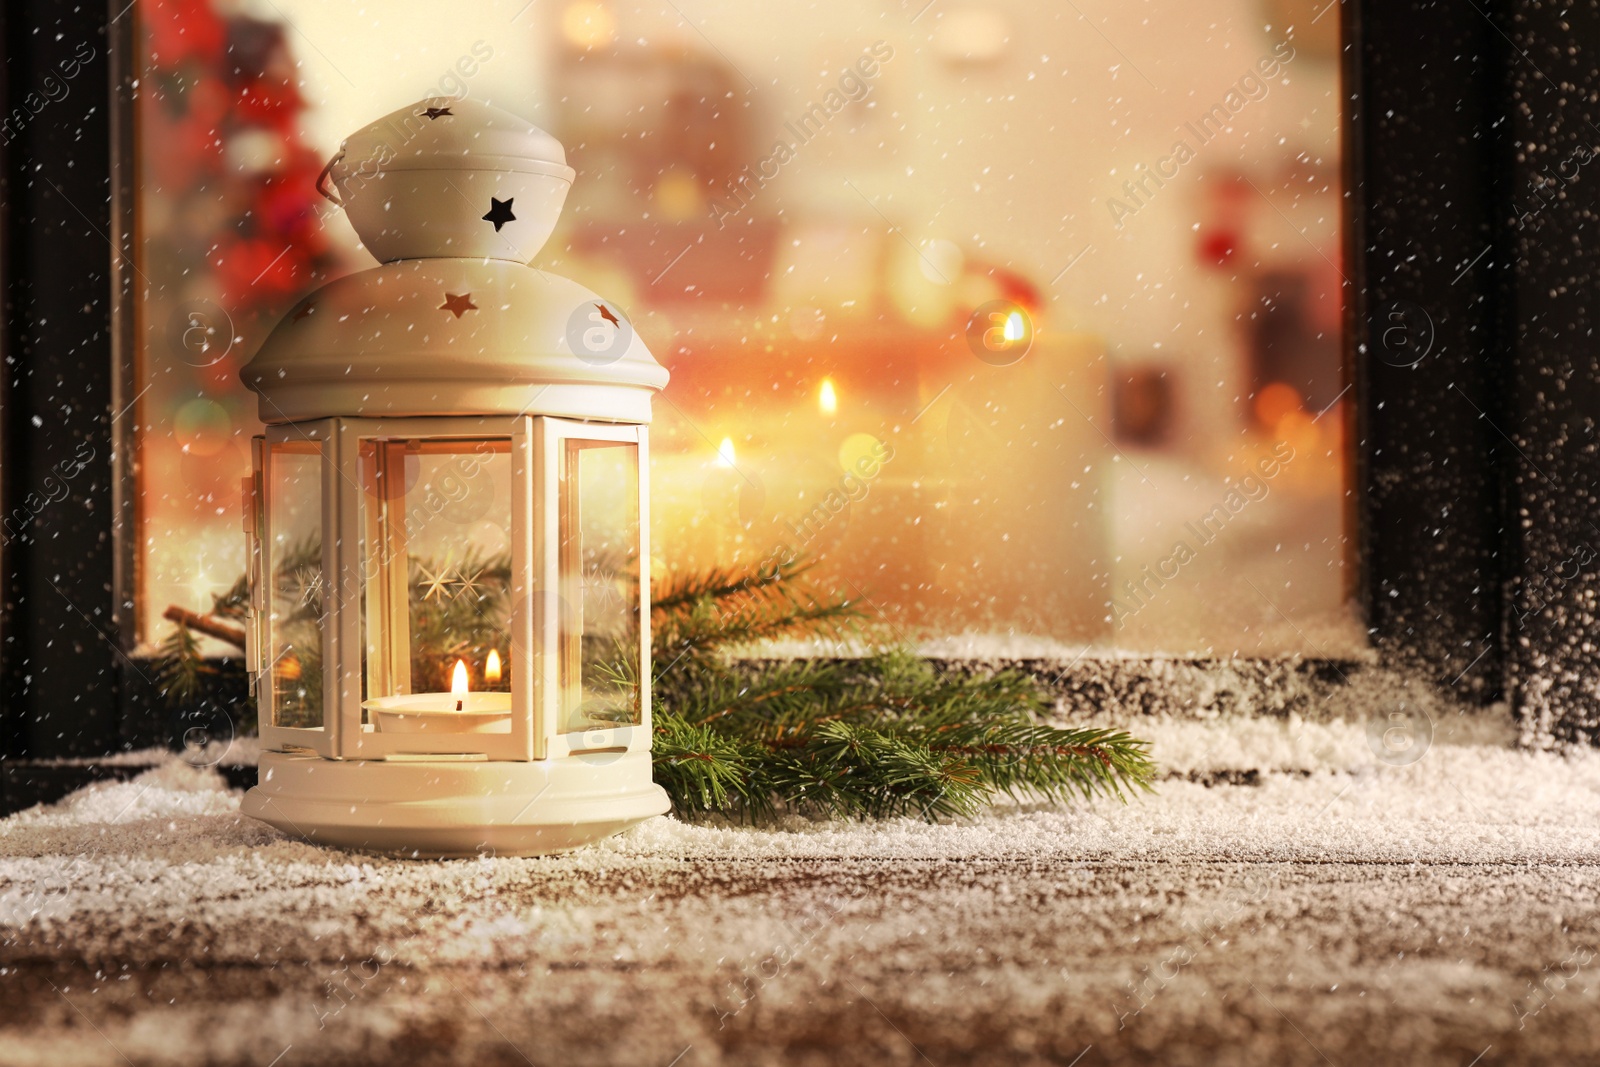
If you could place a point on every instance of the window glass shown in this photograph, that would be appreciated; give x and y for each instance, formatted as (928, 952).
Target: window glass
(436, 551)
(298, 597)
(599, 530)
(1024, 318)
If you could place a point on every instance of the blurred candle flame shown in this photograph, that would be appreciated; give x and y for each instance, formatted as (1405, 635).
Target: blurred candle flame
(827, 398)
(725, 453)
(1013, 330)
(458, 678)
(491, 668)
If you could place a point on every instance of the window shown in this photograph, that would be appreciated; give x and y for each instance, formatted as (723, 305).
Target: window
(1026, 322)
(1448, 574)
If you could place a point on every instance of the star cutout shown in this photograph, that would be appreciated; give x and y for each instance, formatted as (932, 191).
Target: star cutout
(436, 585)
(601, 590)
(470, 584)
(305, 309)
(605, 313)
(436, 112)
(311, 592)
(500, 213)
(458, 303)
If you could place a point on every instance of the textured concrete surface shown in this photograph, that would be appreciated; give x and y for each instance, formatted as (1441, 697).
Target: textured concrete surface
(1339, 911)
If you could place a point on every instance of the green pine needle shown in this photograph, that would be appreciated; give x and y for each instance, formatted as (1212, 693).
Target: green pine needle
(878, 737)
(696, 617)
(179, 666)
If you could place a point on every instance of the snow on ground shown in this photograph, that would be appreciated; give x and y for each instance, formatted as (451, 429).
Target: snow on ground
(1338, 910)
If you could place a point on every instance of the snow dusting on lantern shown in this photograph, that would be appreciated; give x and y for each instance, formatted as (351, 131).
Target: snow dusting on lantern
(448, 516)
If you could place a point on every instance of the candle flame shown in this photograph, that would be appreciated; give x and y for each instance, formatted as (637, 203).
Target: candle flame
(491, 668)
(828, 397)
(458, 678)
(725, 453)
(1013, 331)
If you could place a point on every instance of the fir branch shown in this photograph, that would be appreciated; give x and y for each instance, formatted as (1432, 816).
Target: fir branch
(682, 591)
(179, 665)
(881, 737)
(702, 769)
(695, 618)
(235, 603)
(887, 735)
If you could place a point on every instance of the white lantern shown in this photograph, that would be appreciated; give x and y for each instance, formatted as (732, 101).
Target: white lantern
(449, 517)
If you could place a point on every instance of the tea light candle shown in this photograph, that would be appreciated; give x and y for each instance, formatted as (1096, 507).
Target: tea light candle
(458, 711)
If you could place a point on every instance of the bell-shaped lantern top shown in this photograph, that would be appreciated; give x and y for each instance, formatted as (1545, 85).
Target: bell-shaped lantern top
(455, 197)
(450, 133)
(450, 177)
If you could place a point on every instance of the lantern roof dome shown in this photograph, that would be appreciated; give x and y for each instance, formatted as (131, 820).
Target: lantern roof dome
(455, 198)
(454, 337)
(448, 133)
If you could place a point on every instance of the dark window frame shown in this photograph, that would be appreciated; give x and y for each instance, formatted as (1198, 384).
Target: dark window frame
(1456, 587)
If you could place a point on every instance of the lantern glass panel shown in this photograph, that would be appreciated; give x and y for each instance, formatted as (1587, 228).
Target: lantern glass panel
(436, 559)
(599, 534)
(298, 592)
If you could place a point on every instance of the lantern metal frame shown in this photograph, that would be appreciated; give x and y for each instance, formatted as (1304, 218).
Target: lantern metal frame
(537, 631)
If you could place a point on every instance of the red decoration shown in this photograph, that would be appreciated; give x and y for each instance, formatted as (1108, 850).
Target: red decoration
(222, 103)
(1216, 246)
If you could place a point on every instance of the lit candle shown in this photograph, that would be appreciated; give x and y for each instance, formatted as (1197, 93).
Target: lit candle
(1014, 328)
(458, 711)
(725, 455)
(458, 683)
(827, 398)
(491, 668)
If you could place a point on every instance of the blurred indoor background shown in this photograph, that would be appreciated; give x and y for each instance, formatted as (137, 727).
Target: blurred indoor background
(1025, 318)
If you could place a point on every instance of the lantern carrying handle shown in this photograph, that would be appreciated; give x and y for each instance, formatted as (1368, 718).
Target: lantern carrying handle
(323, 177)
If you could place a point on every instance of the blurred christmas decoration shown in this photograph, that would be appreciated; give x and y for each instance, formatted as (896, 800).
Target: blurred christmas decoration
(229, 231)
(220, 99)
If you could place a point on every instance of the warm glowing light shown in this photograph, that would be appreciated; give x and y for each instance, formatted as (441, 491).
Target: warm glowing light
(588, 24)
(863, 455)
(1013, 330)
(491, 668)
(680, 195)
(1277, 401)
(458, 678)
(827, 399)
(725, 453)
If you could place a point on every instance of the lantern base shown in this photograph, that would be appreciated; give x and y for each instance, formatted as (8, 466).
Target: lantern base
(440, 809)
